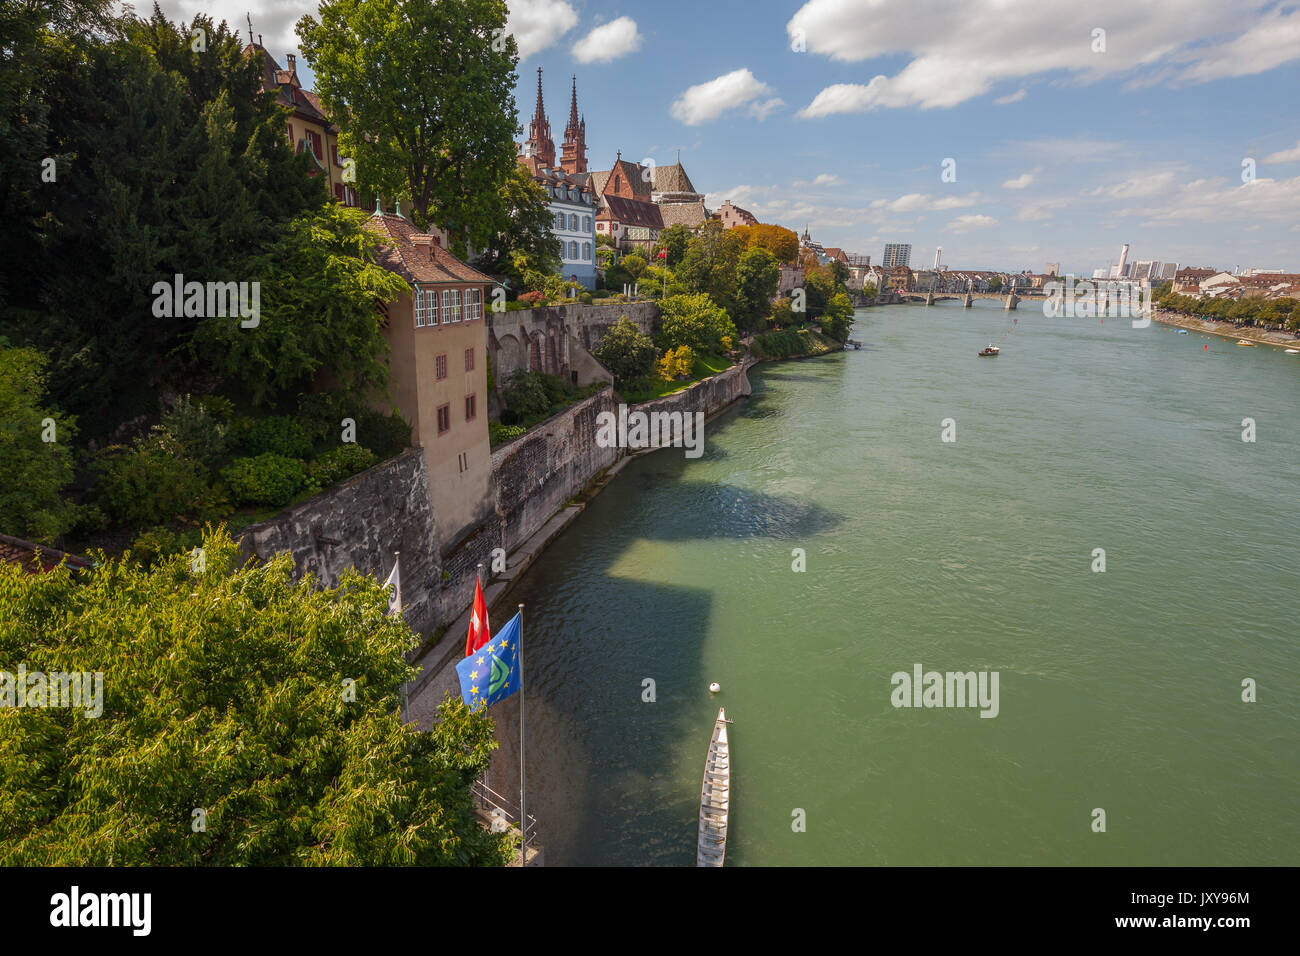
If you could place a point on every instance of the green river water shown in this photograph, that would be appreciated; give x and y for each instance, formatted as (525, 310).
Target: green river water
(1119, 690)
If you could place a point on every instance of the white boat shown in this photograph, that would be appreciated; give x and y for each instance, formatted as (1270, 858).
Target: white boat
(1182, 331)
(715, 797)
(1293, 351)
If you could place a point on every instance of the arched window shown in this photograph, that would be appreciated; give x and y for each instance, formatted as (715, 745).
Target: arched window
(586, 252)
(573, 222)
(573, 250)
(586, 224)
(559, 220)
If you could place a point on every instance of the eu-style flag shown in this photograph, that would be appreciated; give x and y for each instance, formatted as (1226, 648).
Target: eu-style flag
(491, 673)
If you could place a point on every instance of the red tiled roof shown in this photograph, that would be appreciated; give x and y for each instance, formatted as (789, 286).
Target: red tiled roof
(401, 255)
(631, 212)
(35, 558)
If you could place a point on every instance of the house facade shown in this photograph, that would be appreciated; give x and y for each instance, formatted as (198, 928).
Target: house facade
(437, 341)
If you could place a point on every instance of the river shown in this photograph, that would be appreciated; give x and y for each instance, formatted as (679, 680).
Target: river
(1118, 690)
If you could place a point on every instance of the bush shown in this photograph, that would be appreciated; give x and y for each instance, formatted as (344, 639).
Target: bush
(626, 351)
(339, 463)
(191, 430)
(275, 434)
(385, 435)
(157, 543)
(525, 395)
(500, 433)
(586, 298)
(33, 472)
(676, 363)
(696, 321)
(268, 479)
(150, 486)
(531, 299)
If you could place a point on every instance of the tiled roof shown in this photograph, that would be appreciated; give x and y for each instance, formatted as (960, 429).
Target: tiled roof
(632, 212)
(690, 214)
(672, 179)
(631, 173)
(400, 254)
(35, 557)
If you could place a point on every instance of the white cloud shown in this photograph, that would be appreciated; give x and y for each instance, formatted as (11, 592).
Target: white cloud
(1226, 202)
(966, 223)
(1015, 97)
(1138, 187)
(921, 202)
(762, 110)
(705, 102)
(608, 42)
(823, 179)
(1020, 182)
(953, 58)
(274, 21)
(1285, 156)
(538, 24)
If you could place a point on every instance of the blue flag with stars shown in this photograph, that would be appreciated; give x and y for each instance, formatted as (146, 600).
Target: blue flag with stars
(491, 673)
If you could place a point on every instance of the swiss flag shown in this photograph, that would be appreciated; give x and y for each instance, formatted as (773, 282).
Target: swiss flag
(478, 622)
(663, 253)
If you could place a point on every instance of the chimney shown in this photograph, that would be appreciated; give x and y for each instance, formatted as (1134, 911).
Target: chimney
(422, 242)
(290, 58)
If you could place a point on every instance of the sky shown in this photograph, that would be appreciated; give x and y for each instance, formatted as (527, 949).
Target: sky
(1011, 133)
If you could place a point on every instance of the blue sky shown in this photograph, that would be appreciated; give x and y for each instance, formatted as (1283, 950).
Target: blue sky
(1065, 146)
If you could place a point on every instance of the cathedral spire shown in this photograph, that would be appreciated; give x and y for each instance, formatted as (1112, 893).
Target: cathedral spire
(573, 159)
(539, 115)
(539, 142)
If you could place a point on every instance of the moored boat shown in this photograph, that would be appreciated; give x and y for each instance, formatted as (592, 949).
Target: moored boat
(715, 797)
(1244, 342)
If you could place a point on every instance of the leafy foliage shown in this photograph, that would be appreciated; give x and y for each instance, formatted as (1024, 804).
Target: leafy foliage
(758, 274)
(33, 471)
(676, 363)
(277, 434)
(150, 485)
(696, 321)
(525, 395)
(339, 463)
(626, 351)
(227, 692)
(268, 479)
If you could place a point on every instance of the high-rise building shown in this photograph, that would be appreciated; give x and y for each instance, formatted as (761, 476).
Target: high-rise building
(1168, 270)
(1144, 269)
(897, 254)
(1053, 269)
(1121, 268)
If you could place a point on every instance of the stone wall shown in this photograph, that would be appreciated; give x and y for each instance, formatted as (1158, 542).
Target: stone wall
(537, 473)
(359, 524)
(551, 339)
(709, 396)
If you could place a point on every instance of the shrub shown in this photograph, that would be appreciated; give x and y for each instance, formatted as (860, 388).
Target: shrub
(33, 472)
(193, 431)
(321, 416)
(696, 321)
(626, 351)
(339, 463)
(586, 298)
(149, 486)
(500, 433)
(155, 544)
(275, 434)
(384, 434)
(268, 479)
(676, 363)
(525, 394)
(531, 299)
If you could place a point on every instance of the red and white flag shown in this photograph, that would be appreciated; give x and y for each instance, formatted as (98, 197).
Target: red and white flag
(663, 253)
(478, 622)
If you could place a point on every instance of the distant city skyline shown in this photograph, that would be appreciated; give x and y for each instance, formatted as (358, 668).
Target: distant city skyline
(1000, 132)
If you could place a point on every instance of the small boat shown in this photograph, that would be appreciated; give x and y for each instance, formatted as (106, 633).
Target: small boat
(715, 797)
(990, 352)
(1182, 331)
(1292, 351)
(1244, 342)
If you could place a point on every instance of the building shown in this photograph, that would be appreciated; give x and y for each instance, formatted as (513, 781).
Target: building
(897, 254)
(1168, 270)
(1145, 269)
(668, 187)
(732, 216)
(626, 213)
(437, 338)
(1121, 268)
(309, 129)
(1188, 281)
(897, 278)
(36, 558)
(572, 202)
(1053, 269)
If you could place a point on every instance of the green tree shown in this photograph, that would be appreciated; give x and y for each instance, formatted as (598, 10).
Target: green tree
(995, 283)
(34, 470)
(626, 351)
(676, 239)
(839, 274)
(423, 93)
(695, 320)
(634, 264)
(246, 719)
(758, 275)
(526, 242)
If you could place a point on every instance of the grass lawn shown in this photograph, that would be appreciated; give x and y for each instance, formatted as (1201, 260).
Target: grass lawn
(705, 365)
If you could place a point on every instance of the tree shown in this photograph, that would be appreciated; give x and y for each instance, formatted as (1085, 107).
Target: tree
(35, 448)
(839, 273)
(838, 317)
(676, 239)
(626, 351)
(319, 287)
(758, 275)
(526, 243)
(423, 93)
(695, 320)
(635, 265)
(709, 265)
(246, 720)
(995, 283)
(778, 240)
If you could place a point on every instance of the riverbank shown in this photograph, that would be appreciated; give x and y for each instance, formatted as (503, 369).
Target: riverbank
(1226, 329)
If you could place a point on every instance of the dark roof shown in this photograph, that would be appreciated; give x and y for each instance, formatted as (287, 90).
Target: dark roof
(632, 172)
(35, 558)
(632, 212)
(683, 214)
(402, 256)
(672, 179)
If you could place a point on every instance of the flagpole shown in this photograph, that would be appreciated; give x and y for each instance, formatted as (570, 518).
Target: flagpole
(523, 806)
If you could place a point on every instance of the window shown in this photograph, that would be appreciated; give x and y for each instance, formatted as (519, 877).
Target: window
(473, 304)
(586, 252)
(469, 360)
(573, 222)
(446, 306)
(430, 307)
(455, 305)
(444, 418)
(559, 220)
(290, 134)
(573, 250)
(440, 367)
(586, 224)
(421, 310)
(338, 191)
(471, 407)
(314, 139)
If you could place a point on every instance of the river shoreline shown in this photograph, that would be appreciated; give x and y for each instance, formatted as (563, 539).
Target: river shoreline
(1225, 329)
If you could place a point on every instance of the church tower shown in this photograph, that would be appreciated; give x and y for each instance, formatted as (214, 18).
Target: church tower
(539, 142)
(574, 157)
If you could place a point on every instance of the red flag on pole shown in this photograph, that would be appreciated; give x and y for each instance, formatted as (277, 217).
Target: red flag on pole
(478, 622)
(663, 253)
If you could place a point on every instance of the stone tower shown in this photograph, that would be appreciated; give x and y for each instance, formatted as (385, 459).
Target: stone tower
(539, 142)
(574, 157)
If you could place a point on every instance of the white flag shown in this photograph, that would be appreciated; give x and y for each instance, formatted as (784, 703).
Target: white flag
(394, 584)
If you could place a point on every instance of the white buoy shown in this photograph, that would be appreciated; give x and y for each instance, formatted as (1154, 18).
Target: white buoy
(714, 687)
